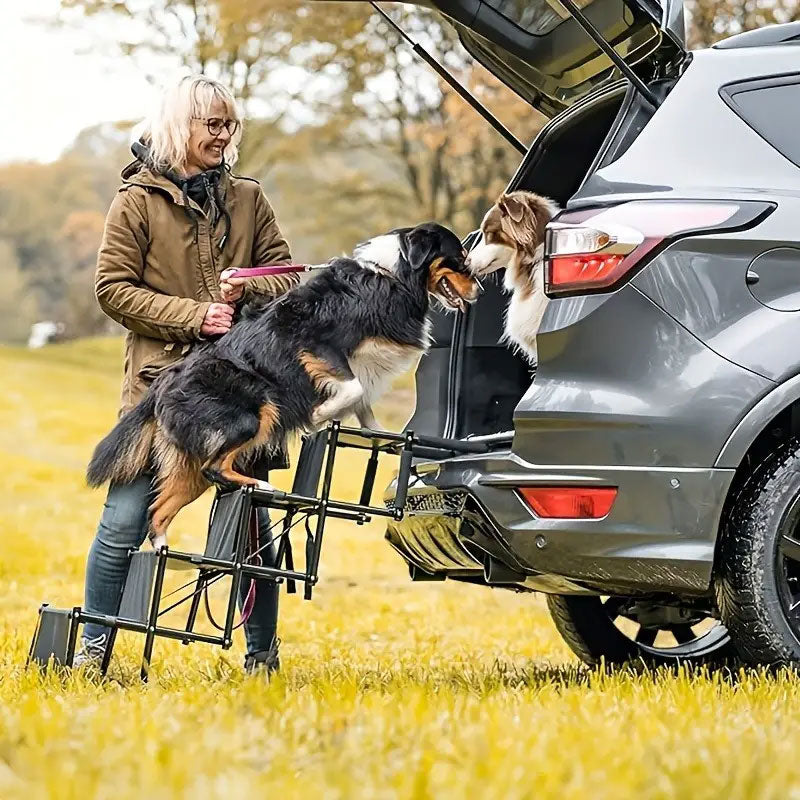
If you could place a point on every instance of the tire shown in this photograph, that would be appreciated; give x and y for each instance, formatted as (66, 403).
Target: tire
(587, 625)
(757, 580)
(588, 630)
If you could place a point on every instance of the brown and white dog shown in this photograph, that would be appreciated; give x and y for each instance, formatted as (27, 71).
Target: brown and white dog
(513, 238)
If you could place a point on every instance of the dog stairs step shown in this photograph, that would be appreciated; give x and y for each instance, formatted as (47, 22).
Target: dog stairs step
(55, 637)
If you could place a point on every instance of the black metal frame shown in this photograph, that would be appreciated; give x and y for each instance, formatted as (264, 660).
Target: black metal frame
(56, 632)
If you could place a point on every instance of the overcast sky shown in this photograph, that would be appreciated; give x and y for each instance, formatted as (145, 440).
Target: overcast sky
(56, 82)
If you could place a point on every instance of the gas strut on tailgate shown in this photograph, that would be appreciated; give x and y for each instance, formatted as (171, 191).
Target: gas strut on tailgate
(580, 18)
(461, 90)
(615, 57)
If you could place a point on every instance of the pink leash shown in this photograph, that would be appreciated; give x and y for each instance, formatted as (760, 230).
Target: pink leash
(259, 272)
(274, 269)
(250, 600)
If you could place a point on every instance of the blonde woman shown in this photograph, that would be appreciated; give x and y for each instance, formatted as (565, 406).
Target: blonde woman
(179, 220)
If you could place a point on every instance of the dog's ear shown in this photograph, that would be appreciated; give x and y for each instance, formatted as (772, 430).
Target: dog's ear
(528, 214)
(512, 207)
(542, 210)
(419, 247)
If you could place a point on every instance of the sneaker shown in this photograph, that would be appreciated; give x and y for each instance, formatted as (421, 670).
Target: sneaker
(263, 662)
(91, 653)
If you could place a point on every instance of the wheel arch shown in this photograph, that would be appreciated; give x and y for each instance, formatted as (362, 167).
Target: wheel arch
(777, 410)
(770, 423)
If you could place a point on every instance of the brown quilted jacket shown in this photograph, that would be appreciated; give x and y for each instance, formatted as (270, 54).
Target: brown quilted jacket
(158, 267)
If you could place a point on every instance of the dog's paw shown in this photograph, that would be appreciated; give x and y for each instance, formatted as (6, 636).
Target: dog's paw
(308, 429)
(216, 479)
(158, 540)
(318, 418)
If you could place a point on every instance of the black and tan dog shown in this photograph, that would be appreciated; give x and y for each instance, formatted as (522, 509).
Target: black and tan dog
(327, 348)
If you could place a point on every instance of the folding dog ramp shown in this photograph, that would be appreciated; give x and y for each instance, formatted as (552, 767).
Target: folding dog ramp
(232, 552)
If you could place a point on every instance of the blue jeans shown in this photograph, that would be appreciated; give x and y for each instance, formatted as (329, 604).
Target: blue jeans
(123, 526)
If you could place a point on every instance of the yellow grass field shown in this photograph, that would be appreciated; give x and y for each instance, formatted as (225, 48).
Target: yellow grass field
(389, 689)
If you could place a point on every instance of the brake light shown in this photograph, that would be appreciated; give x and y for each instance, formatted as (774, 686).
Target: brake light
(598, 250)
(569, 502)
(572, 270)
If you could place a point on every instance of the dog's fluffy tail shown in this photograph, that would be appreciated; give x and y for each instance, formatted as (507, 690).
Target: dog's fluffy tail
(124, 453)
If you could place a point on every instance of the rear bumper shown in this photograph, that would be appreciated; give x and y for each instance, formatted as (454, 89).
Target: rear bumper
(465, 517)
(623, 396)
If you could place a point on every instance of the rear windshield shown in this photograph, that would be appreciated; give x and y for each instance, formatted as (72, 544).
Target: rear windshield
(539, 51)
(537, 18)
(771, 107)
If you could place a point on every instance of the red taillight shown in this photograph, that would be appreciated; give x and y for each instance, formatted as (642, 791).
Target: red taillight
(570, 270)
(569, 502)
(596, 250)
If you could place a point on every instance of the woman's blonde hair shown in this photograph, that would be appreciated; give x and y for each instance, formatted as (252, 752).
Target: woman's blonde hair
(167, 130)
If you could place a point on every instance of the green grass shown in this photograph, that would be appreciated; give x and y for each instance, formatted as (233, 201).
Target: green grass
(389, 689)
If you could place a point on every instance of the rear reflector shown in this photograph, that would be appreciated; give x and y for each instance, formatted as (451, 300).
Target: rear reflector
(595, 250)
(569, 502)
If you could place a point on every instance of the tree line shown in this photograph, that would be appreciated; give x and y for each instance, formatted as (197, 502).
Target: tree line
(348, 133)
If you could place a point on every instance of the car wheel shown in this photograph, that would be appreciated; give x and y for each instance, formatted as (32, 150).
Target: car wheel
(617, 630)
(758, 566)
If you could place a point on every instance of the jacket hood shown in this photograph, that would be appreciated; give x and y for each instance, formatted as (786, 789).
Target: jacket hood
(192, 192)
(141, 155)
(143, 172)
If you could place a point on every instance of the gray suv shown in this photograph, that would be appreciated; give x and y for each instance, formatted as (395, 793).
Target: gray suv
(647, 478)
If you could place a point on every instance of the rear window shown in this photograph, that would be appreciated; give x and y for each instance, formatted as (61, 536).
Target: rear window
(771, 107)
(538, 18)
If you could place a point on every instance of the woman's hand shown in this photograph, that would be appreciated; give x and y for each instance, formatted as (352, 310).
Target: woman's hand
(218, 319)
(231, 289)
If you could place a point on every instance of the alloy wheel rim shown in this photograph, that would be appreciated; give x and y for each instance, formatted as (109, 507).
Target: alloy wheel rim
(787, 572)
(697, 637)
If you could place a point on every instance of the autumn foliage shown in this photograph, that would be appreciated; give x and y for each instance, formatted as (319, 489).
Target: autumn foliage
(348, 132)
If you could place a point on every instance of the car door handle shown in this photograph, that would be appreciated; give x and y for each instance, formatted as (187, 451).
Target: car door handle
(752, 277)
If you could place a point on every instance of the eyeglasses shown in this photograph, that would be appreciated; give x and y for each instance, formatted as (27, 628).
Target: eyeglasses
(216, 124)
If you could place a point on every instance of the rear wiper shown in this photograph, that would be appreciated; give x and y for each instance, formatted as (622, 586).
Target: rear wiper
(616, 59)
(455, 85)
